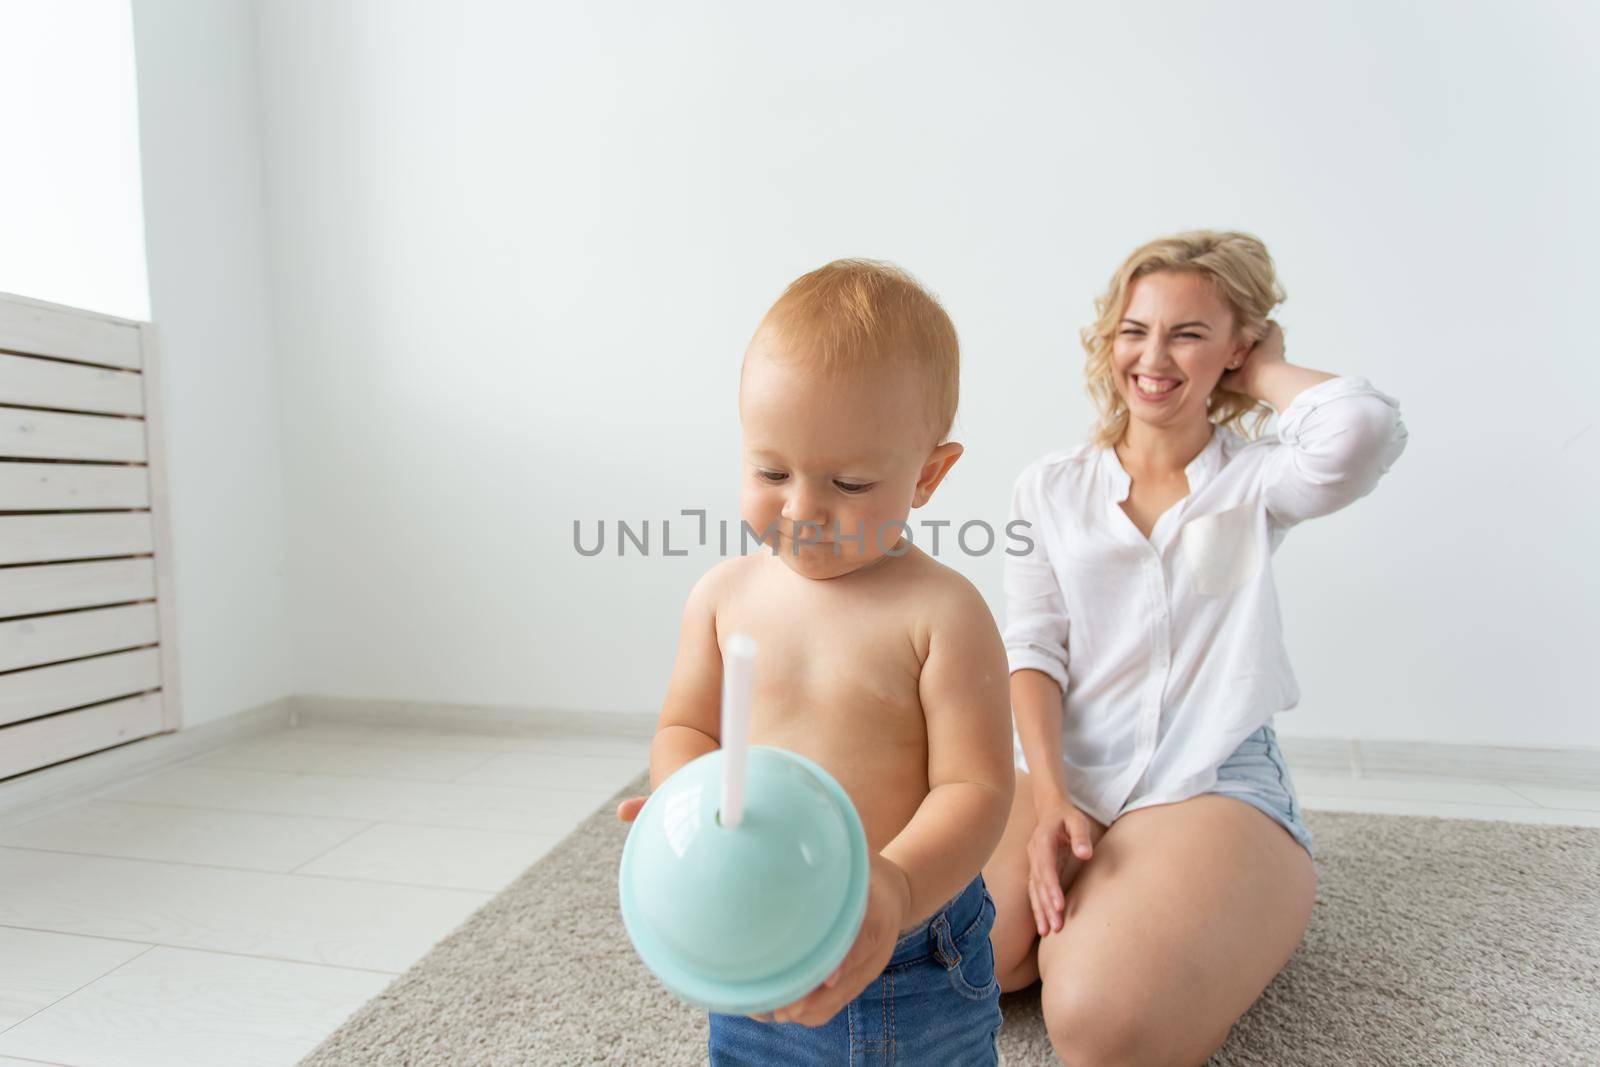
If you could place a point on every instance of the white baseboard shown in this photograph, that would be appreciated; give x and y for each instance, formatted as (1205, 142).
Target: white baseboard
(1572, 768)
(471, 718)
(28, 796)
(1568, 768)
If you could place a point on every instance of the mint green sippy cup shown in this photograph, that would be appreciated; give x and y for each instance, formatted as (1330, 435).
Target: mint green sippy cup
(744, 877)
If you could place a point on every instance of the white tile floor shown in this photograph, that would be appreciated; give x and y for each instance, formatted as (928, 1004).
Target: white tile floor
(235, 909)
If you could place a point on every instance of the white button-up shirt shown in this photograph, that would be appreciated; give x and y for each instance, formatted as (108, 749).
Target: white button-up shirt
(1169, 649)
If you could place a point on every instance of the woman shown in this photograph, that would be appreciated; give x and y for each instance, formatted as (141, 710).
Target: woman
(1155, 873)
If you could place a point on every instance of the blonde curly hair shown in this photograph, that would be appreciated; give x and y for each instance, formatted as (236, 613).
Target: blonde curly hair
(1242, 272)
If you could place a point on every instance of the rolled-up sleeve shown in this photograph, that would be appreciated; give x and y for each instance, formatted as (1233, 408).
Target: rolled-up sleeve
(1036, 612)
(1335, 440)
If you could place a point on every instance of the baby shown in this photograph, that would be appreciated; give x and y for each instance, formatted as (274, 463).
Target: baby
(877, 662)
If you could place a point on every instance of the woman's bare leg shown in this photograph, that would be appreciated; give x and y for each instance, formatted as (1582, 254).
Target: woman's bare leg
(1014, 936)
(1172, 931)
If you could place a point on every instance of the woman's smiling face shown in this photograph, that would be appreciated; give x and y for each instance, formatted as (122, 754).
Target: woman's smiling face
(1175, 341)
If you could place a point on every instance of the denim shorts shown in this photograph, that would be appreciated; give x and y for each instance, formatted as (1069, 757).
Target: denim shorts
(1257, 775)
(936, 1002)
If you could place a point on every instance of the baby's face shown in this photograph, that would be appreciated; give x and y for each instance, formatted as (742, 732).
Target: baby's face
(827, 460)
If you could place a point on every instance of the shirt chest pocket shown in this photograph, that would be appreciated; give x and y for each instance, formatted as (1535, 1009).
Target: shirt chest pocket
(1220, 550)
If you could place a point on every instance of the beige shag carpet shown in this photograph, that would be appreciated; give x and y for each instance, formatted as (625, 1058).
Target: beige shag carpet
(1434, 941)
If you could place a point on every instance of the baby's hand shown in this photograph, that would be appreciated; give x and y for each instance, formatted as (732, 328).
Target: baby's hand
(888, 897)
(628, 810)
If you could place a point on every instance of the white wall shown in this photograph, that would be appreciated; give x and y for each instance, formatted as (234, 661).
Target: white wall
(70, 225)
(517, 249)
(198, 108)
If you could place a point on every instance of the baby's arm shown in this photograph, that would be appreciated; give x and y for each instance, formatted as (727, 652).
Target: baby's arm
(967, 707)
(690, 722)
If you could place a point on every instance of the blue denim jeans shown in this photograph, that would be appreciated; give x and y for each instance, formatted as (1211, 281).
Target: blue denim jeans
(936, 1002)
(1256, 774)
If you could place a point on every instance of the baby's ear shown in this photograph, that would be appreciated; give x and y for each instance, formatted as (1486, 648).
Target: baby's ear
(937, 465)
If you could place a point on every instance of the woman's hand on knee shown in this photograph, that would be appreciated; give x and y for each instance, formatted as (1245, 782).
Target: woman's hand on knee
(1063, 834)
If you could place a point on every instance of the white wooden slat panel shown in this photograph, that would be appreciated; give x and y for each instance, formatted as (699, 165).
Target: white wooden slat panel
(45, 690)
(81, 390)
(28, 434)
(28, 745)
(161, 524)
(42, 538)
(27, 326)
(72, 486)
(45, 383)
(43, 639)
(64, 586)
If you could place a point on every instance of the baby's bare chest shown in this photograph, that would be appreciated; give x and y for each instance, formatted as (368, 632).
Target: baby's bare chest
(832, 670)
(837, 679)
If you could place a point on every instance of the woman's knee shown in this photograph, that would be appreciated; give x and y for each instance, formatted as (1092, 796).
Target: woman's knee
(1094, 1023)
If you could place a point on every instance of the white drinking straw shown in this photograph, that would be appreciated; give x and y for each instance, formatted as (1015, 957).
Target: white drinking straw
(738, 671)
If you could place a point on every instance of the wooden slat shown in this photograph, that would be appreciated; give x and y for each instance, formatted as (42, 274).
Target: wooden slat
(45, 383)
(44, 639)
(27, 326)
(64, 586)
(28, 434)
(28, 745)
(72, 486)
(42, 538)
(50, 639)
(46, 690)
(161, 518)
